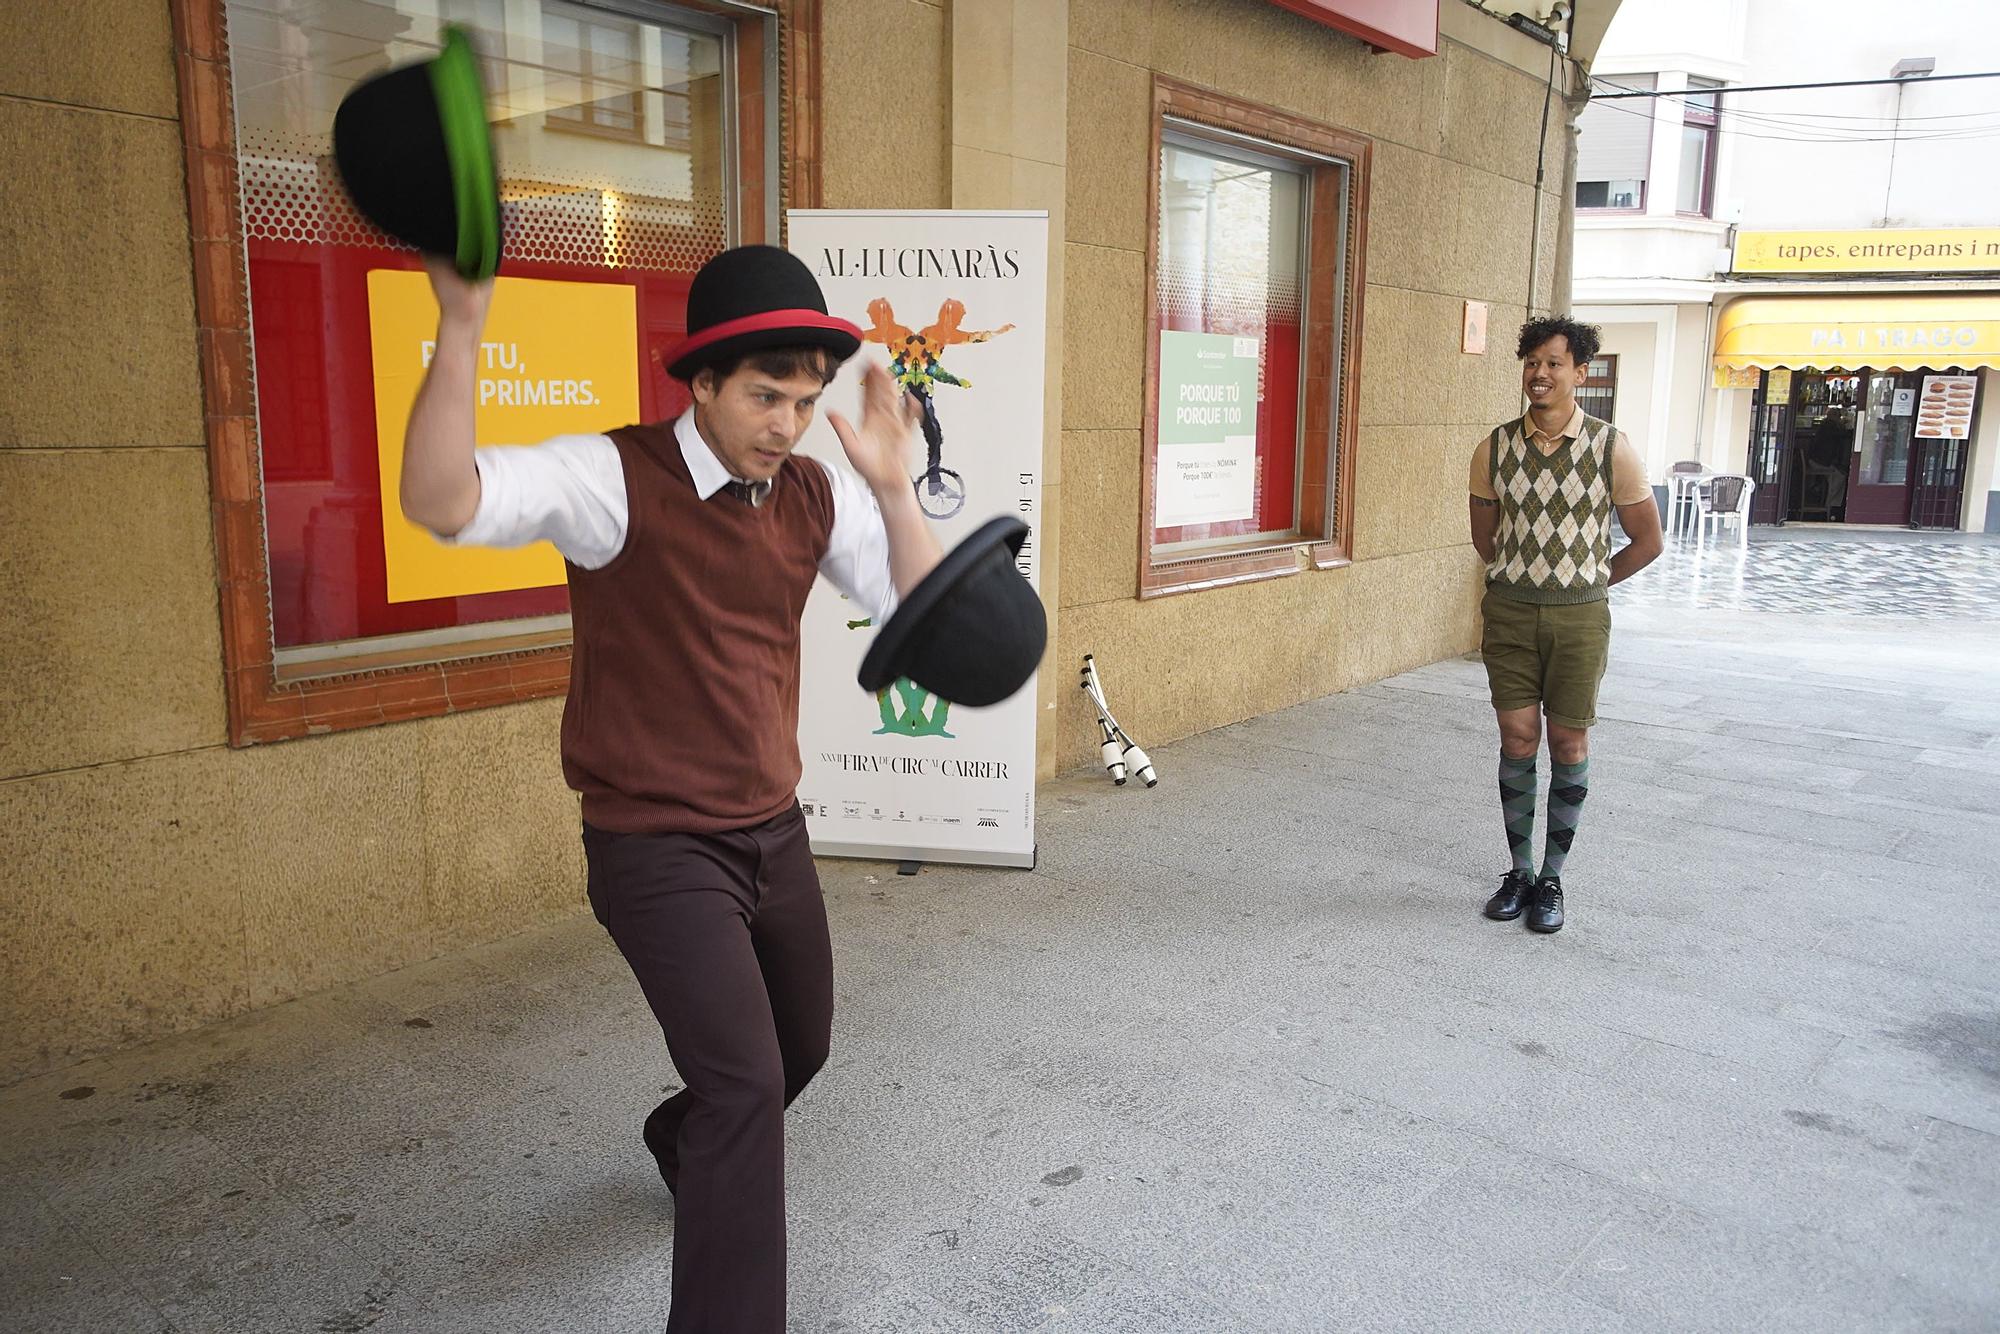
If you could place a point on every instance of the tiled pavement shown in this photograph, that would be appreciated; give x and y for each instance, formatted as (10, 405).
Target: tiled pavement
(1239, 1055)
(1859, 575)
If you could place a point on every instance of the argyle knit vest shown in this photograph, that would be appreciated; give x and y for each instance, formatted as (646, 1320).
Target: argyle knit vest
(1554, 542)
(683, 711)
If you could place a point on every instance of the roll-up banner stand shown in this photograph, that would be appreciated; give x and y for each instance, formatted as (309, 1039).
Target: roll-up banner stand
(956, 305)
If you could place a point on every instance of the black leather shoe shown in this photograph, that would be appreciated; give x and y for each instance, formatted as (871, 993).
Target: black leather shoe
(665, 1151)
(1506, 904)
(1545, 910)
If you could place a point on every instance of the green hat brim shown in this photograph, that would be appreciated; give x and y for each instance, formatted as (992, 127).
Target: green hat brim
(461, 107)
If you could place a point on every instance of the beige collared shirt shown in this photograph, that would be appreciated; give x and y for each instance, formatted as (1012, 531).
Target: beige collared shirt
(1629, 484)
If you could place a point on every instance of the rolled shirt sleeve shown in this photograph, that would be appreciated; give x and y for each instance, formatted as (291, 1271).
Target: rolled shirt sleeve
(857, 552)
(1629, 483)
(569, 491)
(1481, 482)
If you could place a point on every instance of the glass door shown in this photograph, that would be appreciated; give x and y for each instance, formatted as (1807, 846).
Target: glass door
(1879, 486)
(1824, 418)
(1770, 429)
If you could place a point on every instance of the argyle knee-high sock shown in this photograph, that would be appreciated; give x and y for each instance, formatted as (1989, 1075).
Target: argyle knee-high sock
(1569, 784)
(1517, 803)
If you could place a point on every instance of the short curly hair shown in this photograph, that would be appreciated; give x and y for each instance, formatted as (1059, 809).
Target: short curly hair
(1584, 339)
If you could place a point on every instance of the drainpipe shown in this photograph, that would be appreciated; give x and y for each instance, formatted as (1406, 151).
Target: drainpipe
(1707, 375)
(1566, 238)
(1541, 169)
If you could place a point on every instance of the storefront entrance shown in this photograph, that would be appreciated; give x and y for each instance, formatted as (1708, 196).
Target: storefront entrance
(1861, 447)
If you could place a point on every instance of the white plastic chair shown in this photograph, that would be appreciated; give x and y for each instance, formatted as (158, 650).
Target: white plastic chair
(1680, 493)
(1722, 498)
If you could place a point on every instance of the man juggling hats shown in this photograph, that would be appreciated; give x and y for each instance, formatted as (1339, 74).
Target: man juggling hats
(691, 546)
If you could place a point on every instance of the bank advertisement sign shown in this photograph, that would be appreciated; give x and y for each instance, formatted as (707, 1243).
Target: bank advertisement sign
(556, 358)
(955, 305)
(1206, 471)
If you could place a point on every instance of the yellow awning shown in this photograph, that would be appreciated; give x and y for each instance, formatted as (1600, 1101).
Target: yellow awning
(1847, 333)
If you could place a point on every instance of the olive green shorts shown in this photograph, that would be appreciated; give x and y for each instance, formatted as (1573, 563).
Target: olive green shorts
(1553, 656)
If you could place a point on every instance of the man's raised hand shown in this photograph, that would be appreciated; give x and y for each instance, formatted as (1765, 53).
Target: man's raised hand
(462, 303)
(880, 447)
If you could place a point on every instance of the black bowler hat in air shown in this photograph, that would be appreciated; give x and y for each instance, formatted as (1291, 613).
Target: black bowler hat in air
(972, 631)
(751, 298)
(413, 148)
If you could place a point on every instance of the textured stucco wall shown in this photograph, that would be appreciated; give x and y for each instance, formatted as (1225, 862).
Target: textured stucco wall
(885, 75)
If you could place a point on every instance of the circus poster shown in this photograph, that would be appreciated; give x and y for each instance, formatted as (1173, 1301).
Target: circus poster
(955, 305)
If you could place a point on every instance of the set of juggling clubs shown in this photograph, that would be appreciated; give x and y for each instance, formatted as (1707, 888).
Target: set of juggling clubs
(1122, 755)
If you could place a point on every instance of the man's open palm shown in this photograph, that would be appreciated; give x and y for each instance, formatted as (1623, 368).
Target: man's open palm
(880, 446)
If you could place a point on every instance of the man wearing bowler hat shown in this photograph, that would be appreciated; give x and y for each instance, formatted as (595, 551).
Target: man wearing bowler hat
(691, 546)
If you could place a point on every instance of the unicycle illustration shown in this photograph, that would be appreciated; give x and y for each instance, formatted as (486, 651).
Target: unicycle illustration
(940, 491)
(915, 360)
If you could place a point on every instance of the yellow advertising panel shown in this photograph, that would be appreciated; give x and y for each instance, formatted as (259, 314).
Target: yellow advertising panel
(557, 358)
(1946, 250)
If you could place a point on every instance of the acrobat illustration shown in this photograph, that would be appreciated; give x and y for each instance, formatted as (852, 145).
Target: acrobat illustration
(916, 360)
(907, 708)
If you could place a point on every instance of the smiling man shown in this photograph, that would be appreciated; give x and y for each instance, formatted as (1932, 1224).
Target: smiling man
(1543, 489)
(691, 547)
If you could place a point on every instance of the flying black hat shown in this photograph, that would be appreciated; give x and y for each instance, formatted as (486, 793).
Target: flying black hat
(754, 297)
(413, 148)
(972, 631)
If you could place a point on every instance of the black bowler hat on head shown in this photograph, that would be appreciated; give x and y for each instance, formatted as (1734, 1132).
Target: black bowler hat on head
(751, 298)
(972, 631)
(414, 151)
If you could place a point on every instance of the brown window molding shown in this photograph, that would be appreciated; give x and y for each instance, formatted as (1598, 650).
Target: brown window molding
(1333, 318)
(263, 706)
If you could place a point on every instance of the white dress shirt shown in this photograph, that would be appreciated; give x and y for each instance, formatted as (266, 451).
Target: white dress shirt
(570, 491)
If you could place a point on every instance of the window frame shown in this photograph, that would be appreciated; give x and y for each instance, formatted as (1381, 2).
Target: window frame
(1330, 360)
(1610, 210)
(1606, 384)
(509, 667)
(1707, 119)
(1644, 182)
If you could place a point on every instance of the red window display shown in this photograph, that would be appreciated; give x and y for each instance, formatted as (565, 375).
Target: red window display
(1231, 263)
(315, 394)
(634, 137)
(1255, 305)
(611, 134)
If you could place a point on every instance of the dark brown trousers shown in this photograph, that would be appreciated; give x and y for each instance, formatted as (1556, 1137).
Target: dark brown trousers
(727, 935)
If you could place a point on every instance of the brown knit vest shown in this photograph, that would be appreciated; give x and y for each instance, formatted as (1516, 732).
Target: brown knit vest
(683, 705)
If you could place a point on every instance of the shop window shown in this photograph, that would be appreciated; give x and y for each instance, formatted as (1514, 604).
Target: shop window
(1597, 393)
(336, 611)
(1255, 315)
(1700, 135)
(1614, 147)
